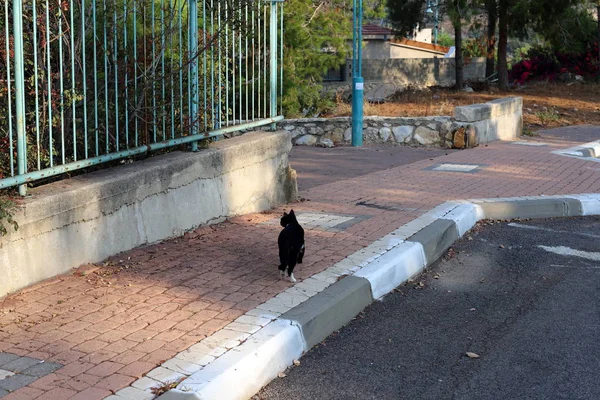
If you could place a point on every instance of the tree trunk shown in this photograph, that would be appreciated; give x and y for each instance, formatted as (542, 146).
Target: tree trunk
(492, 11)
(458, 57)
(502, 44)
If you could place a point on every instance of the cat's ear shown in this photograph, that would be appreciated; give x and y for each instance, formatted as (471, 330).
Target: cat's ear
(292, 213)
(285, 214)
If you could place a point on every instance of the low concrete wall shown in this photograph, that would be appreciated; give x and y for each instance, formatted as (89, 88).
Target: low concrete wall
(500, 119)
(94, 216)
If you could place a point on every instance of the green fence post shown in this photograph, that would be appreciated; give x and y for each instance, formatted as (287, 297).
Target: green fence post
(193, 68)
(20, 91)
(273, 61)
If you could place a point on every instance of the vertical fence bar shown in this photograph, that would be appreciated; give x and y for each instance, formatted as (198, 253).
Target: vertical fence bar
(153, 72)
(135, 75)
(49, 77)
(62, 90)
(265, 59)
(233, 65)
(281, 62)
(171, 53)
(106, 104)
(240, 33)
(125, 67)
(193, 68)
(95, 80)
(247, 56)
(35, 77)
(273, 61)
(226, 55)
(9, 93)
(116, 67)
(84, 79)
(162, 69)
(219, 65)
(179, 26)
(204, 70)
(73, 90)
(212, 64)
(19, 90)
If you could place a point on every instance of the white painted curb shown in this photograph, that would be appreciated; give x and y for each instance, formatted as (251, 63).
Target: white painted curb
(465, 216)
(393, 268)
(590, 203)
(244, 370)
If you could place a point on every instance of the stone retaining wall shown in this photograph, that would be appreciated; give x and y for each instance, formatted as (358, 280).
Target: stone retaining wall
(479, 123)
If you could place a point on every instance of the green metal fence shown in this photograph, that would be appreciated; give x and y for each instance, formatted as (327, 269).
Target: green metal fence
(83, 82)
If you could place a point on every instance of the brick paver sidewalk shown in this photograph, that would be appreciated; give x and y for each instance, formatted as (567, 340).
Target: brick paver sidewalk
(98, 331)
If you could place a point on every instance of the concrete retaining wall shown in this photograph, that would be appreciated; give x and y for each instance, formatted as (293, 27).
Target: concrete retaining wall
(500, 119)
(90, 217)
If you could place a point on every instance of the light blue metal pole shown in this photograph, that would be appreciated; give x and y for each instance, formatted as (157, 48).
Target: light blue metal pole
(273, 61)
(193, 56)
(357, 80)
(19, 90)
(437, 20)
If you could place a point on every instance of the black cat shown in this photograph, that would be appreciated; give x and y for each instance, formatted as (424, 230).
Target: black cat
(291, 245)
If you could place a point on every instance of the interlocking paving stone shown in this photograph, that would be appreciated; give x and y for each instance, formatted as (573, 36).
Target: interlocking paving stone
(16, 381)
(21, 364)
(41, 369)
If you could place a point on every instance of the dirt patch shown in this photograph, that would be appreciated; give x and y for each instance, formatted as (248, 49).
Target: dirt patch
(545, 105)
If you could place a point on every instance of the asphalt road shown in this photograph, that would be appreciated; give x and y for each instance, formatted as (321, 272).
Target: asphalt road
(531, 313)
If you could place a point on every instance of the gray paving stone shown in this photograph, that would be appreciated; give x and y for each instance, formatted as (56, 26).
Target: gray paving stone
(41, 369)
(20, 364)
(17, 381)
(6, 358)
(3, 392)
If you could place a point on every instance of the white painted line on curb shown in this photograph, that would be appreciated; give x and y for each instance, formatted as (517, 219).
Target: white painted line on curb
(567, 251)
(241, 372)
(393, 268)
(590, 203)
(465, 216)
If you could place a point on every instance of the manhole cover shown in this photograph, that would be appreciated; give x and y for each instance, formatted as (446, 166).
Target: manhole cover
(324, 221)
(524, 143)
(455, 167)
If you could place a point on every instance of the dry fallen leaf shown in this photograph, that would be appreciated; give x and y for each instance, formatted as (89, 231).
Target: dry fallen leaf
(501, 246)
(472, 355)
(281, 375)
(296, 362)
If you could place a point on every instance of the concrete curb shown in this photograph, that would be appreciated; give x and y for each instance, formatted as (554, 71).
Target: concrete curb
(588, 151)
(313, 309)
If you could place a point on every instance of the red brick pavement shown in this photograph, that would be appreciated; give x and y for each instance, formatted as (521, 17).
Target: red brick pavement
(111, 326)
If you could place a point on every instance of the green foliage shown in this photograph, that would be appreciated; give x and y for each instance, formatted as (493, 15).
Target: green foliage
(316, 39)
(476, 47)
(444, 39)
(6, 215)
(572, 33)
(406, 15)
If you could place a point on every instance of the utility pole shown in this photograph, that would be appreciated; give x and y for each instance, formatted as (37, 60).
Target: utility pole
(357, 79)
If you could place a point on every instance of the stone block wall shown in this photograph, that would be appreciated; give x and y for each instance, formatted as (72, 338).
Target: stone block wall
(500, 119)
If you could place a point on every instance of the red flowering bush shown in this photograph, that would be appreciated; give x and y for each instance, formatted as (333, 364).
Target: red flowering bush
(541, 64)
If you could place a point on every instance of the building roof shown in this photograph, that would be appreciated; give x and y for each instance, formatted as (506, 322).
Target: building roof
(376, 30)
(421, 45)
